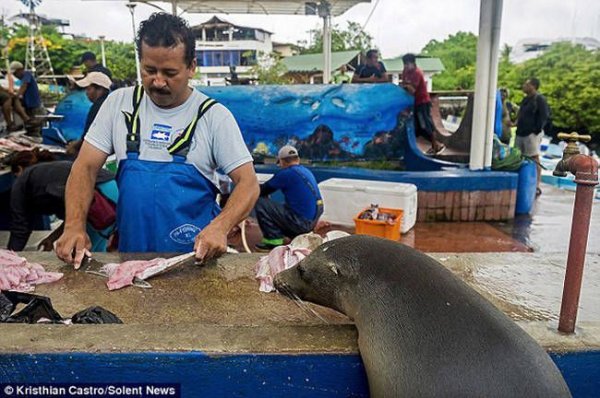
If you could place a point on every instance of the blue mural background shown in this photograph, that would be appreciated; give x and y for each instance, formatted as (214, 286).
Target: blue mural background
(324, 121)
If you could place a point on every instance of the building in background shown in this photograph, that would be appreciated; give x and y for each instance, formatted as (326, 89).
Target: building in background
(286, 49)
(308, 68)
(527, 49)
(221, 44)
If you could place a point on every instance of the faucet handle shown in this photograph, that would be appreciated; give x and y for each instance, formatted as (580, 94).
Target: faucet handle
(574, 137)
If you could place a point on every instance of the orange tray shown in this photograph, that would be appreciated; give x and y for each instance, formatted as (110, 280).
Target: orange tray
(380, 229)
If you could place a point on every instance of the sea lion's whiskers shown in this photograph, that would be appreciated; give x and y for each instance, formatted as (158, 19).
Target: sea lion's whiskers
(302, 304)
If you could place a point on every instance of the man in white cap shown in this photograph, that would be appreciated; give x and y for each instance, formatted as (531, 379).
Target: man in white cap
(303, 203)
(28, 94)
(97, 87)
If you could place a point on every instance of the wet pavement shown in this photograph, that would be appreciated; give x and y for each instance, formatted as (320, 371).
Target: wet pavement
(547, 229)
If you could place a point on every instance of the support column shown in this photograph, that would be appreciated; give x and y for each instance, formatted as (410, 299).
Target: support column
(478, 131)
(493, 82)
(325, 13)
(131, 7)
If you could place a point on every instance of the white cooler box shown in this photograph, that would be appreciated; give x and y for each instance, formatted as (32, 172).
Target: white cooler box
(344, 198)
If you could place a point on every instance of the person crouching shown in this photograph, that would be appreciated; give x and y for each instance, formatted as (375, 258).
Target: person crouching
(303, 202)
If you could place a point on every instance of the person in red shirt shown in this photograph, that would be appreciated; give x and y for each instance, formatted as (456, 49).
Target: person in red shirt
(414, 82)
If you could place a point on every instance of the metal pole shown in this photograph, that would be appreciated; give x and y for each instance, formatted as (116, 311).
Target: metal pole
(325, 13)
(492, 83)
(326, 49)
(482, 77)
(102, 50)
(131, 7)
(174, 7)
(580, 228)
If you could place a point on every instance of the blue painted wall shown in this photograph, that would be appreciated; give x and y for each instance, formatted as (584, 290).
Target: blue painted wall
(241, 375)
(272, 116)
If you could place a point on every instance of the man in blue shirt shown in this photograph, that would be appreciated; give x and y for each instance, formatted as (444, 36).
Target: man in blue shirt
(303, 203)
(28, 92)
(373, 71)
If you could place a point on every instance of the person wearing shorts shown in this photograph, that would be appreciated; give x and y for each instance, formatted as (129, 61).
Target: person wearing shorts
(533, 116)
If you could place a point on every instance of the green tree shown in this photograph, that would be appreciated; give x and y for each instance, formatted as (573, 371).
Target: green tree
(570, 80)
(351, 38)
(269, 69)
(458, 54)
(65, 53)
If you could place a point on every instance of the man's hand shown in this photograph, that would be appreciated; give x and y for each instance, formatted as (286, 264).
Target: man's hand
(72, 246)
(211, 242)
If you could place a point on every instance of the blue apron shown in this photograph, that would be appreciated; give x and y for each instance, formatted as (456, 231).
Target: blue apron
(162, 205)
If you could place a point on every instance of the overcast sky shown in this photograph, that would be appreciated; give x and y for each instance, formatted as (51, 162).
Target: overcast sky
(398, 26)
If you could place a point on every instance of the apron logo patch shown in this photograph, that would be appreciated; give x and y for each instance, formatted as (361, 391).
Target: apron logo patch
(161, 132)
(185, 234)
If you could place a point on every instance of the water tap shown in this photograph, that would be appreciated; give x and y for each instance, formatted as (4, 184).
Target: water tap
(571, 150)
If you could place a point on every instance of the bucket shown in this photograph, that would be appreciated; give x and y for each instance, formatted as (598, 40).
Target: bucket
(526, 187)
(381, 229)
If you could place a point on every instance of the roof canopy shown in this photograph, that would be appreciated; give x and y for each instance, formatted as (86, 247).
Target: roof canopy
(314, 62)
(426, 64)
(269, 7)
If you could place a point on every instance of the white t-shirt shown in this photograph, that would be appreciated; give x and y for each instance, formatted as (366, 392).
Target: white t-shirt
(217, 142)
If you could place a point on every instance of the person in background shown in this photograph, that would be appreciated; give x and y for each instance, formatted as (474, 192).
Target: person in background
(303, 203)
(29, 95)
(413, 81)
(97, 87)
(531, 119)
(10, 103)
(506, 119)
(88, 59)
(372, 71)
(341, 75)
(39, 190)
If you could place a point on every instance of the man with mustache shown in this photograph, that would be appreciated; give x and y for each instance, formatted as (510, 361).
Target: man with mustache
(169, 140)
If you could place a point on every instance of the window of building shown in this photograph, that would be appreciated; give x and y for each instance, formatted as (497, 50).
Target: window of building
(225, 57)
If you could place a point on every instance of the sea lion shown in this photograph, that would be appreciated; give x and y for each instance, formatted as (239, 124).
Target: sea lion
(422, 332)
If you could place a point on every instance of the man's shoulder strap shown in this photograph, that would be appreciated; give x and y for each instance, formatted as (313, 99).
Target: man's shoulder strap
(182, 143)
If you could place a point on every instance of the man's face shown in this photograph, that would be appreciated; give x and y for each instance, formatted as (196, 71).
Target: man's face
(374, 59)
(409, 66)
(527, 87)
(88, 63)
(93, 92)
(165, 74)
(19, 73)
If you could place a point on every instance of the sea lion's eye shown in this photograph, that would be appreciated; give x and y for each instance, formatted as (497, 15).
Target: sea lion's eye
(301, 271)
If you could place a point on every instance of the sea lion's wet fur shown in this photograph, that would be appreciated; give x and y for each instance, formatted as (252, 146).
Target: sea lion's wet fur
(423, 332)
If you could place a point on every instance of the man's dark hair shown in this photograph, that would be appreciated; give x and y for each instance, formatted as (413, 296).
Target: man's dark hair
(88, 56)
(166, 30)
(409, 59)
(372, 52)
(535, 82)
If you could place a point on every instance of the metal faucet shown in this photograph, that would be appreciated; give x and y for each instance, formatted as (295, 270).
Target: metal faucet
(585, 169)
(571, 150)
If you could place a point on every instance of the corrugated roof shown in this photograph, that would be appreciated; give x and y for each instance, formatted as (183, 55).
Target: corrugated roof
(269, 7)
(314, 62)
(216, 21)
(427, 64)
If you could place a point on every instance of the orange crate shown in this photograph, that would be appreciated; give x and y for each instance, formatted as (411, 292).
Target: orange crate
(381, 229)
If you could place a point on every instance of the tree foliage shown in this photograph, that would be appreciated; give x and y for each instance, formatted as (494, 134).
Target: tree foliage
(458, 53)
(269, 69)
(351, 38)
(570, 80)
(66, 53)
(569, 76)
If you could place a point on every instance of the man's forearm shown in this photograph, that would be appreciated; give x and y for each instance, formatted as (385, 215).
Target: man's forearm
(78, 196)
(238, 206)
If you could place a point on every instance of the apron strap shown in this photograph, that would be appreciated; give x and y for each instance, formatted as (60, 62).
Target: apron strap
(318, 201)
(181, 145)
(132, 121)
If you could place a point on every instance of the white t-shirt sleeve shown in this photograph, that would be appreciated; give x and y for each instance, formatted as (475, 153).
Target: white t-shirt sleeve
(100, 133)
(229, 148)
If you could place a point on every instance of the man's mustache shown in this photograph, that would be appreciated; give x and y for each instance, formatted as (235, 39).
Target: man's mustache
(160, 91)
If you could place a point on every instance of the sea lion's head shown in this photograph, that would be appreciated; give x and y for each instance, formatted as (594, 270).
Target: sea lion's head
(326, 274)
